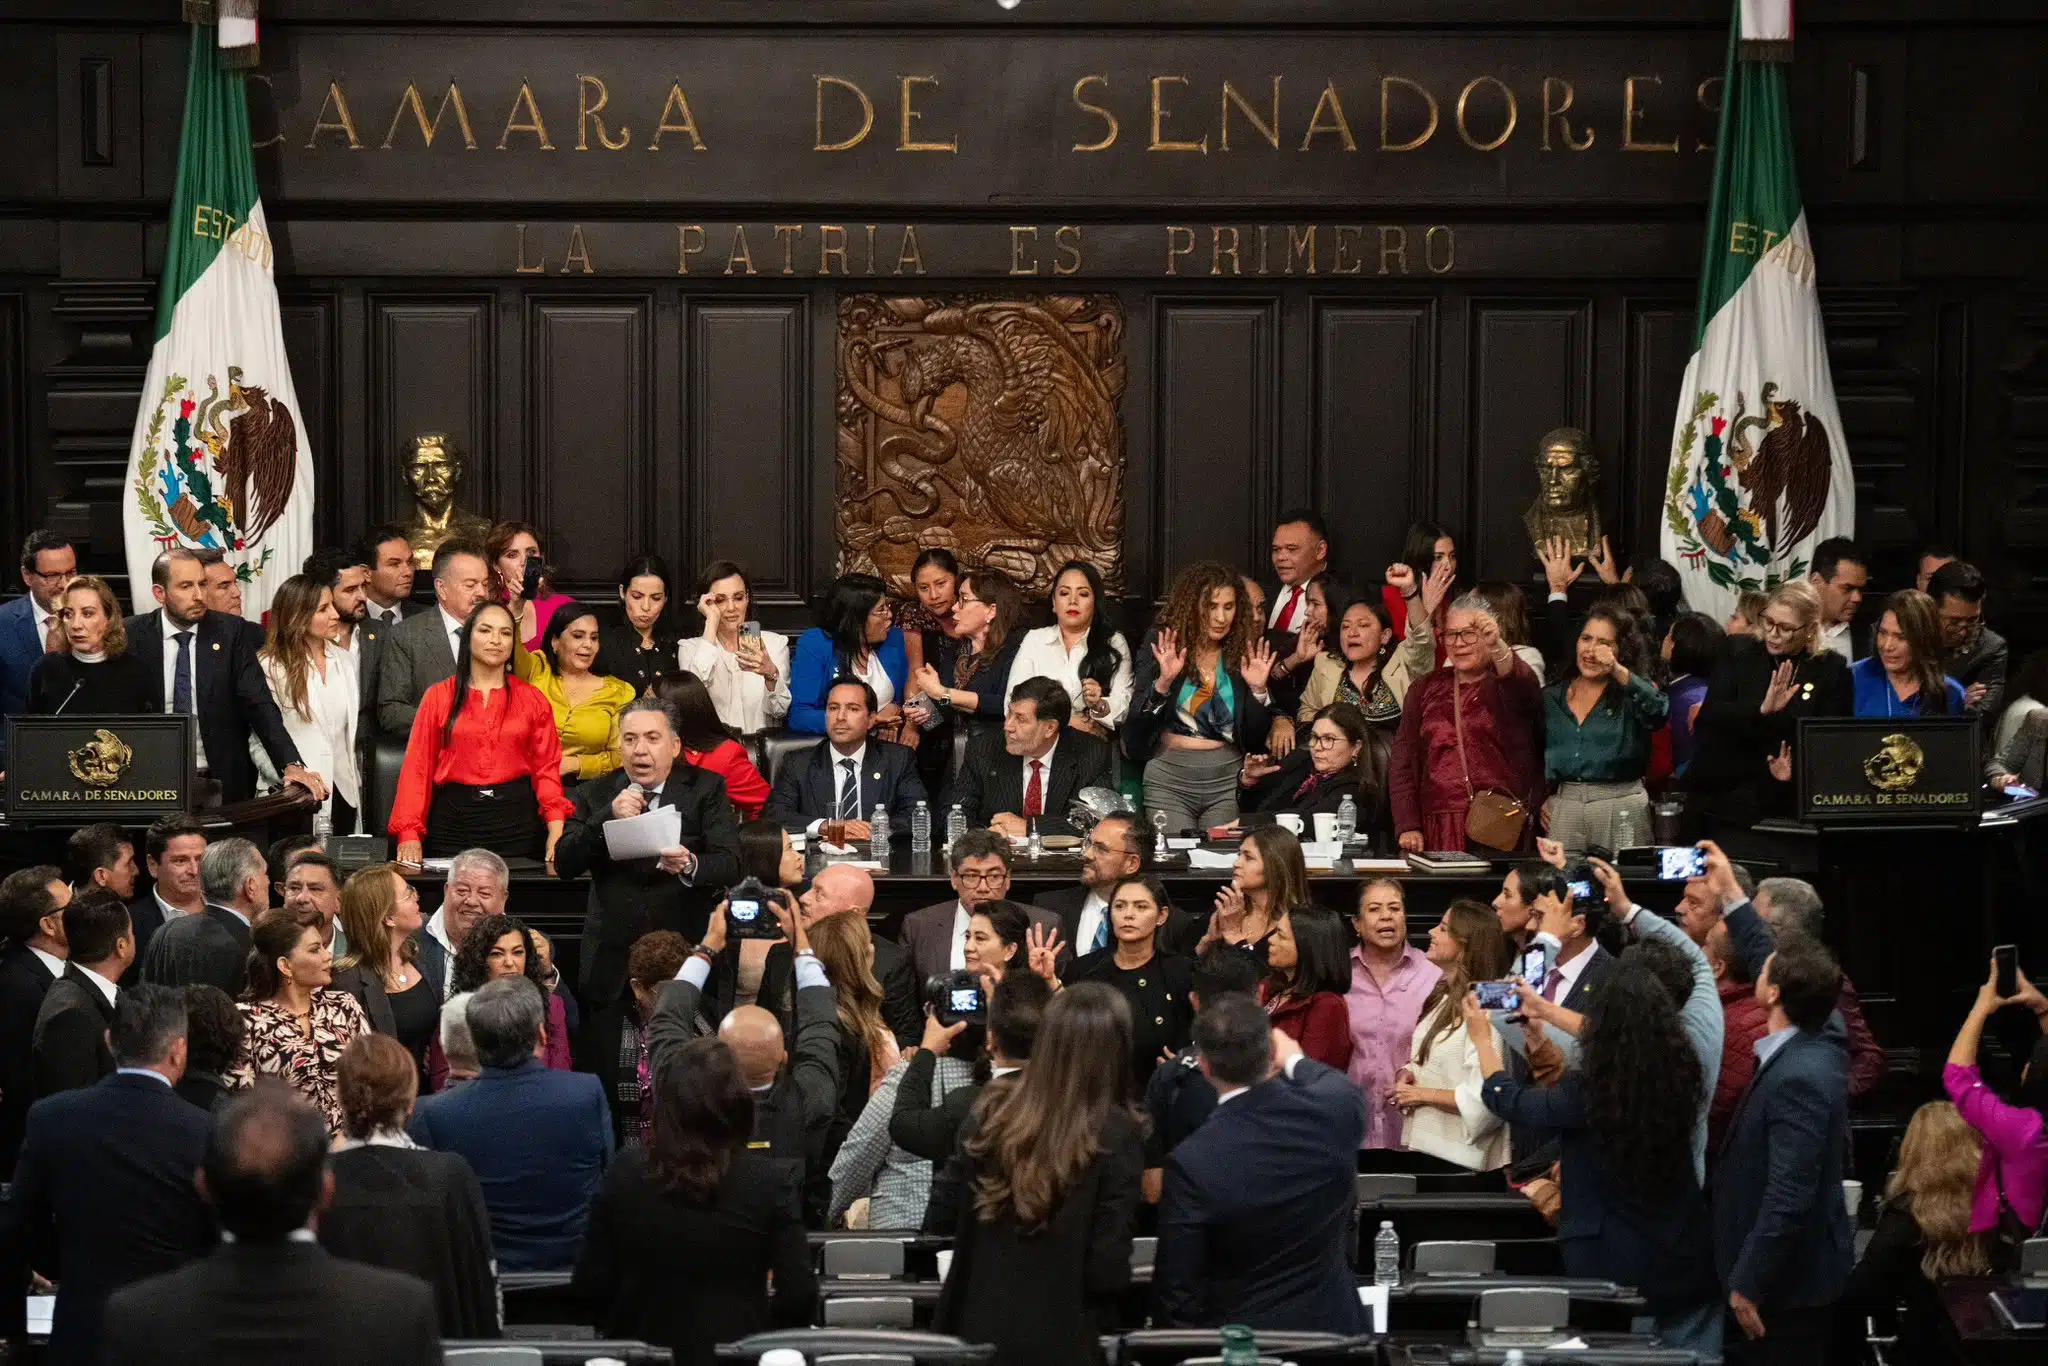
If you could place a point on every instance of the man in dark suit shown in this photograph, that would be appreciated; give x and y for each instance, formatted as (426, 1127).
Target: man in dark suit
(105, 1182)
(1300, 551)
(221, 590)
(203, 664)
(1256, 1205)
(273, 1294)
(1032, 767)
(1782, 1238)
(70, 1048)
(385, 549)
(32, 905)
(537, 1139)
(213, 946)
(420, 651)
(842, 889)
(347, 575)
(796, 1089)
(846, 775)
(48, 561)
(630, 897)
(213, 1037)
(1113, 852)
(936, 934)
(172, 848)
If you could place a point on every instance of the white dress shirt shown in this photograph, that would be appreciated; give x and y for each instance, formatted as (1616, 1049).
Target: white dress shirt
(877, 677)
(438, 928)
(326, 739)
(1041, 655)
(42, 619)
(106, 987)
(1837, 638)
(1568, 972)
(170, 912)
(840, 777)
(744, 700)
(450, 627)
(1290, 601)
(960, 918)
(171, 629)
(49, 960)
(389, 616)
(1093, 912)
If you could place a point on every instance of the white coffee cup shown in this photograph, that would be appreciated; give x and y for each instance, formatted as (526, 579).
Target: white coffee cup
(945, 1256)
(1326, 827)
(1291, 821)
(1852, 1196)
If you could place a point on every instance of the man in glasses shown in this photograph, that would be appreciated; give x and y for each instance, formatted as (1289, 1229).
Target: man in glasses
(937, 935)
(48, 562)
(1976, 654)
(1114, 851)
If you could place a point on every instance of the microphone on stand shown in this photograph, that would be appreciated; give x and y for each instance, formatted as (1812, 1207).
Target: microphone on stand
(59, 711)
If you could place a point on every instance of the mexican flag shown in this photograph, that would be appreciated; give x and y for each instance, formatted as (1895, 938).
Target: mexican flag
(1759, 469)
(219, 458)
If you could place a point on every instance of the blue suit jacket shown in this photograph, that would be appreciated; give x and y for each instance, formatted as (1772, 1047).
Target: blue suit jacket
(805, 787)
(538, 1141)
(1257, 1209)
(1781, 1231)
(815, 664)
(20, 648)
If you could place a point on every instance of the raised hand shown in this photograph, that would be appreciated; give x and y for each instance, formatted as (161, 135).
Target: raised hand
(1604, 563)
(1280, 739)
(1257, 766)
(628, 804)
(1436, 588)
(1780, 691)
(1555, 555)
(1401, 578)
(1171, 658)
(1042, 945)
(704, 610)
(1258, 666)
(1610, 882)
(1550, 851)
(1229, 908)
(1780, 763)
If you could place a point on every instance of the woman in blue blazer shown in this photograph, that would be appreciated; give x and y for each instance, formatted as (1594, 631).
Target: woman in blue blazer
(853, 637)
(1632, 1209)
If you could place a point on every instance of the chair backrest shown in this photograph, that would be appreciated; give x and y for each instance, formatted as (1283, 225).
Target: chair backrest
(818, 1344)
(863, 1359)
(1524, 1308)
(1379, 1185)
(863, 1259)
(1464, 1258)
(1144, 1252)
(869, 1311)
(380, 779)
(779, 746)
(2034, 1257)
(494, 1356)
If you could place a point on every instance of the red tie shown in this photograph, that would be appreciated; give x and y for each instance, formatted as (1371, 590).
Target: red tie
(1287, 612)
(1034, 791)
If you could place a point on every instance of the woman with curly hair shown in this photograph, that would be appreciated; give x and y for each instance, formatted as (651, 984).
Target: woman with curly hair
(501, 946)
(1632, 1207)
(1199, 701)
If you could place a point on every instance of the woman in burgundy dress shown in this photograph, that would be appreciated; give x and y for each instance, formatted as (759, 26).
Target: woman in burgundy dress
(1488, 693)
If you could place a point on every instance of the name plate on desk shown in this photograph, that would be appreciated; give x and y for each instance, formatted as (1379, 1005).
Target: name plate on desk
(75, 770)
(1880, 769)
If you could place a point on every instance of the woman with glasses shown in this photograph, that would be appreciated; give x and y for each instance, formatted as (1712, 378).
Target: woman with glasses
(1746, 723)
(856, 637)
(1339, 760)
(965, 683)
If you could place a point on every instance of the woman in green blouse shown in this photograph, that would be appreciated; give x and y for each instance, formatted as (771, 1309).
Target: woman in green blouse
(1597, 723)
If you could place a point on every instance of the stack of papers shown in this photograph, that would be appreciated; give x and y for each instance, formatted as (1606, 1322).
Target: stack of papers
(1209, 860)
(644, 835)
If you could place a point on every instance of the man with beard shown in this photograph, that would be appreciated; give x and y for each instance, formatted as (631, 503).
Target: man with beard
(1113, 851)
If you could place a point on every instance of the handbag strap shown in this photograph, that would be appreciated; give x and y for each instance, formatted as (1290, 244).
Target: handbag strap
(1458, 728)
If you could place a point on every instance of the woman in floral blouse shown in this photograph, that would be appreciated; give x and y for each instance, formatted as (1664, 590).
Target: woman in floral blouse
(298, 1023)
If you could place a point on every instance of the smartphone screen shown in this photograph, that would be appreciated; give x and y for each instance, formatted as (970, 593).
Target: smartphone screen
(1680, 864)
(1499, 996)
(2007, 959)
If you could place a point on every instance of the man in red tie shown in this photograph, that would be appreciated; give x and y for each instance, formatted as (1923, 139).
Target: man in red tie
(1040, 765)
(1301, 550)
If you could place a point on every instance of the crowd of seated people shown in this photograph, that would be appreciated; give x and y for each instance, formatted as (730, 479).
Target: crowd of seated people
(664, 1128)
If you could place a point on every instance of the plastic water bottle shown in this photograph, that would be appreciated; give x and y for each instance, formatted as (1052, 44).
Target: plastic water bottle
(878, 831)
(921, 829)
(323, 823)
(1240, 1347)
(1034, 843)
(956, 825)
(1386, 1255)
(782, 1356)
(1514, 1357)
(1347, 819)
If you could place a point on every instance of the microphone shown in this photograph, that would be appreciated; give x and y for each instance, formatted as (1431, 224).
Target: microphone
(59, 711)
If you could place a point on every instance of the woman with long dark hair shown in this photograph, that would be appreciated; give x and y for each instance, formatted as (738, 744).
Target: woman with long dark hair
(1054, 1158)
(1428, 548)
(707, 743)
(1366, 664)
(638, 649)
(926, 619)
(1632, 1207)
(687, 1234)
(1307, 974)
(1598, 721)
(855, 638)
(1692, 647)
(1200, 701)
(483, 769)
(1438, 1091)
(585, 702)
(1157, 985)
(1269, 877)
(507, 550)
(747, 673)
(501, 946)
(1339, 759)
(298, 1024)
(1902, 675)
(1081, 651)
(314, 682)
(971, 679)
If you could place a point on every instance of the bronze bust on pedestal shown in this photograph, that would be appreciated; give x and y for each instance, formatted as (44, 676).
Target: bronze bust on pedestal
(433, 472)
(1566, 469)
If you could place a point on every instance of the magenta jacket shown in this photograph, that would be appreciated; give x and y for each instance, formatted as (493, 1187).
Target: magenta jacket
(2015, 1151)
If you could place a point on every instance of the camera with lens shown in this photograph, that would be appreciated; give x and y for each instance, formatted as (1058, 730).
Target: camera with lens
(749, 913)
(956, 996)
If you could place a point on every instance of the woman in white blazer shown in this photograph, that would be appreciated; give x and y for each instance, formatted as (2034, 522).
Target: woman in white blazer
(1080, 652)
(747, 675)
(1439, 1090)
(315, 684)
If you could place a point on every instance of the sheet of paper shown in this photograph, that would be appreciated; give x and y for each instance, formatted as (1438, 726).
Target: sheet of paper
(437, 865)
(40, 1308)
(1211, 860)
(644, 835)
(1374, 1297)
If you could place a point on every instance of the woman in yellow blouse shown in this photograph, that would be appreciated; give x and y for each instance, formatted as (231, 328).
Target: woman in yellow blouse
(586, 703)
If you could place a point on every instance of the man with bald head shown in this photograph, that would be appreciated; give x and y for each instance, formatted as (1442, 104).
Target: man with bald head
(796, 1090)
(842, 889)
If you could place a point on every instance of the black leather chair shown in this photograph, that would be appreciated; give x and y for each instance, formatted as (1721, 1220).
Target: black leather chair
(925, 1349)
(777, 746)
(382, 761)
(564, 1350)
(1170, 1346)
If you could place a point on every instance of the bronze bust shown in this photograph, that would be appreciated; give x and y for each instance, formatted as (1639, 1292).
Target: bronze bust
(433, 472)
(1566, 469)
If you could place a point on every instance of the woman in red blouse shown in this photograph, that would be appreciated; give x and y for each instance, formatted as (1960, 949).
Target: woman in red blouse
(708, 744)
(1428, 549)
(1308, 970)
(483, 769)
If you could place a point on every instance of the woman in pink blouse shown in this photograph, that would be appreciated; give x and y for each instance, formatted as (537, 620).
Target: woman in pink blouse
(1390, 979)
(2014, 1170)
(298, 1024)
(509, 547)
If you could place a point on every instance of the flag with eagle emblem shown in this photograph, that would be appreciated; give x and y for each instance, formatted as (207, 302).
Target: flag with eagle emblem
(1759, 471)
(219, 458)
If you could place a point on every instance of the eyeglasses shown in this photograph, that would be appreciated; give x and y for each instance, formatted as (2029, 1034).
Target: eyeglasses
(1463, 635)
(1772, 626)
(1096, 846)
(1318, 741)
(988, 879)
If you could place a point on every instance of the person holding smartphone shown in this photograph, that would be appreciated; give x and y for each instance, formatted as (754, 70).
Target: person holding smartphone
(745, 667)
(2012, 1182)
(519, 578)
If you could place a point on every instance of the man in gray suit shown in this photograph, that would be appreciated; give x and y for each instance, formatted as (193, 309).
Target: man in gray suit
(980, 861)
(420, 651)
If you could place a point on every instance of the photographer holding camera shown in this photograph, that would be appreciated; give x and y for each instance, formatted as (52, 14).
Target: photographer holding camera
(796, 1089)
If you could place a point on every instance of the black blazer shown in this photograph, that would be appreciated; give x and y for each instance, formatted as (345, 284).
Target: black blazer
(631, 898)
(145, 918)
(1048, 1294)
(70, 1048)
(688, 1275)
(991, 779)
(24, 981)
(420, 1212)
(254, 1304)
(1179, 935)
(212, 948)
(1151, 711)
(1781, 1230)
(1734, 742)
(115, 1158)
(1256, 1210)
(207, 1090)
(1275, 792)
(367, 986)
(806, 785)
(1598, 968)
(232, 697)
